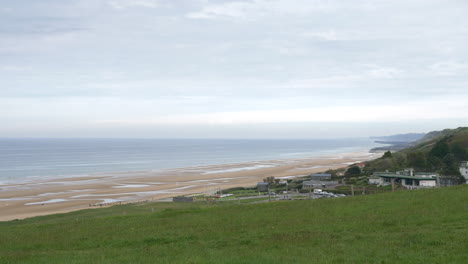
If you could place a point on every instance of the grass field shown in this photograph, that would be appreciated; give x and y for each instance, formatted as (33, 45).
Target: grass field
(425, 226)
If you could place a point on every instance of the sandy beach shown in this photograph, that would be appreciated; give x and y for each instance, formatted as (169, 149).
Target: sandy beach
(33, 198)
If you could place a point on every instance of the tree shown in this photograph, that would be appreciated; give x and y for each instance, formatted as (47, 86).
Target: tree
(387, 154)
(270, 180)
(352, 171)
(459, 152)
(400, 161)
(440, 149)
(434, 163)
(450, 165)
(417, 160)
(332, 172)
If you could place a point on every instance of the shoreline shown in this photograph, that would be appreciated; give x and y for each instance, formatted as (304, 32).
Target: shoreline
(60, 195)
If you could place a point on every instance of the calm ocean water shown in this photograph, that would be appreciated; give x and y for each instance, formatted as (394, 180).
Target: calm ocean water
(24, 158)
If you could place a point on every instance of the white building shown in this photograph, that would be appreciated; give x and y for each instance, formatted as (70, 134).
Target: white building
(317, 184)
(464, 170)
(406, 178)
(375, 180)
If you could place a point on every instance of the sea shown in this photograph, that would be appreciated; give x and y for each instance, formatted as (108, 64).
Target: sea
(34, 158)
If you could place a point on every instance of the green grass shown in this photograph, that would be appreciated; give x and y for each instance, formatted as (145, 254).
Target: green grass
(425, 226)
(243, 193)
(245, 201)
(368, 188)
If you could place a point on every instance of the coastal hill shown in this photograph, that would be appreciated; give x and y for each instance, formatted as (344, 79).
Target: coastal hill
(456, 135)
(411, 140)
(437, 151)
(423, 226)
(397, 142)
(409, 137)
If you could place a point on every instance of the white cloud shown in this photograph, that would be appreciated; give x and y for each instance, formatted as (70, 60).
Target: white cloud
(346, 80)
(6, 10)
(383, 73)
(397, 112)
(259, 8)
(13, 68)
(231, 9)
(123, 4)
(449, 68)
(323, 35)
(245, 68)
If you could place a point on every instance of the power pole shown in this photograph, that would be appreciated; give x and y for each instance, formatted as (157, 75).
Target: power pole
(393, 184)
(269, 194)
(352, 190)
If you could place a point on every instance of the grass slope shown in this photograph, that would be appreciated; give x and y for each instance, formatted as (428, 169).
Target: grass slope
(456, 136)
(425, 226)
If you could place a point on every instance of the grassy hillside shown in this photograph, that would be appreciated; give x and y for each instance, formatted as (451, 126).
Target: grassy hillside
(425, 144)
(425, 226)
(438, 151)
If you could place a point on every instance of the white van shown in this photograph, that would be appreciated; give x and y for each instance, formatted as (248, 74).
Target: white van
(318, 191)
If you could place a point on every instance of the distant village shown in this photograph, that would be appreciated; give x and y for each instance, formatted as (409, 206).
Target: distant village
(405, 179)
(343, 182)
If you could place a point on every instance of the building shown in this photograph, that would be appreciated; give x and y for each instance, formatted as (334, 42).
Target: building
(283, 182)
(317, 184)
(464, 170)
(183, 199)
(263, 186)
(375, 180)
(361, 165)
(320, 176)
(312, 184)
(407, 178)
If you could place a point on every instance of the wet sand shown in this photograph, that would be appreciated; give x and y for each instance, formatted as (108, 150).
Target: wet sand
(33, 198)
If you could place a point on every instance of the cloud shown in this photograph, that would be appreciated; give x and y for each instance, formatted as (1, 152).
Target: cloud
(397, 112)
(259, 61)
(346, 80)
(6, 10)
(13, 68)
(259, 8)
(123, 4)
(449, 68)
(323, 35)
(231, 9)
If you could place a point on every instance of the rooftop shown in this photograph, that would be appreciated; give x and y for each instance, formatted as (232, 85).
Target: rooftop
(430, 176)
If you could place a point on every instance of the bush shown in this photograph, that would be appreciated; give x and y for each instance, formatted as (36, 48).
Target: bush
(387, 154)
(353, 170)
(350, 180)
(234, 189)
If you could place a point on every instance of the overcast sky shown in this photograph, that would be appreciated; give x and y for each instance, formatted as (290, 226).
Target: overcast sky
(232, 69)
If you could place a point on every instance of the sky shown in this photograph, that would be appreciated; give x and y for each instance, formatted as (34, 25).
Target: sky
(232, 69)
